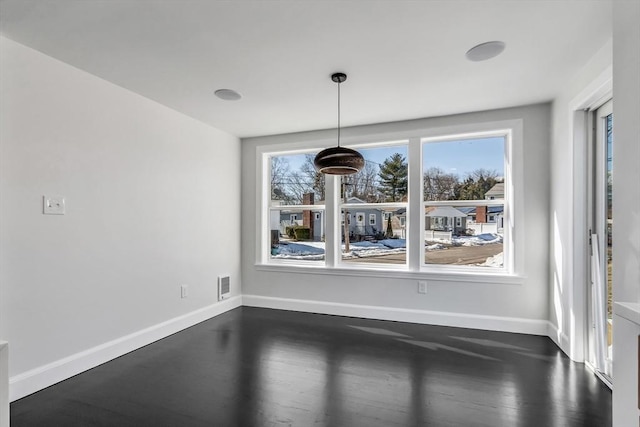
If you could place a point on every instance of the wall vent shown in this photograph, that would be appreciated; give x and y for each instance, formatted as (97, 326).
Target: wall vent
(224, 287)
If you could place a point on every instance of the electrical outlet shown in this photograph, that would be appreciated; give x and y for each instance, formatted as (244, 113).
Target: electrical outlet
(422, 287)
(184, 291)
(53, 205)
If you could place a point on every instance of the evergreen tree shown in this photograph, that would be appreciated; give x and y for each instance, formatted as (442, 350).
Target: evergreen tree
(389, 232)
(394, 178)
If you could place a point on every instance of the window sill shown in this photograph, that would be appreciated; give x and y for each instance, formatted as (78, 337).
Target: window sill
(387, 273)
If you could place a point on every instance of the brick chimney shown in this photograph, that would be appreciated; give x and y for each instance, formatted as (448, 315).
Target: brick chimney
(307, 215)
(481, 214)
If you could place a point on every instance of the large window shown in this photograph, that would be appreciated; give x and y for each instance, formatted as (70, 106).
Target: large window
(432, 203)
(296, 209)
(464, 202)
(378, 192)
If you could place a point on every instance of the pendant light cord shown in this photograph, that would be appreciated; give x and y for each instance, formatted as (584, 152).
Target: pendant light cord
(339, 113)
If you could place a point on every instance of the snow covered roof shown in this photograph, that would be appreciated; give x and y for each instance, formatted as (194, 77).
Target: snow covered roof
(445, 211)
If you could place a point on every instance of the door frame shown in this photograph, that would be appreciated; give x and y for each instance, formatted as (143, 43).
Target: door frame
(597, 354)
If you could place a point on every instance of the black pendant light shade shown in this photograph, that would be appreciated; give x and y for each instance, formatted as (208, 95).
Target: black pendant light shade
(338, 160)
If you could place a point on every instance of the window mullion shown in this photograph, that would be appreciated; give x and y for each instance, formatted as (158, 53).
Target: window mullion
(415, 220)
(332, 221)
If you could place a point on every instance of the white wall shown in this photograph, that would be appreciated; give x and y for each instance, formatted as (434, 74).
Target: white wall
(150, 198)
(466, 303)
(568, 228)
(626, 155)
(626, 206)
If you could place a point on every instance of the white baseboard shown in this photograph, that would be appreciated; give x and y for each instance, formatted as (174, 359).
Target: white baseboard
(561, 340)
(44, 376)
(440, 318)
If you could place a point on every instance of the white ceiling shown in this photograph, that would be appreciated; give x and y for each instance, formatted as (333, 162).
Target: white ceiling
(404, 59)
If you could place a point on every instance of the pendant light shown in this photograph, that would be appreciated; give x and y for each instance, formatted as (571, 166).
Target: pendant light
(338, 160)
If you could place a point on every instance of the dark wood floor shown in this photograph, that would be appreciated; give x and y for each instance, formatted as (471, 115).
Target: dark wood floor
(259, 367)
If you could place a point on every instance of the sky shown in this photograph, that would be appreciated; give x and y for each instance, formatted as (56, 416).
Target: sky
(460, 157)
(465, 156)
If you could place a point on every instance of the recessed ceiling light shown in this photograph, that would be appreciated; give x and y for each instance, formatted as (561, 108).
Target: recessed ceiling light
(228, 94)
(485, 51)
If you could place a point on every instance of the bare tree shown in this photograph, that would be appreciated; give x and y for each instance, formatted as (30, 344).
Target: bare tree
(439, 185)
(315, 179)
(364, 184)
(279, 172)
(298, 186)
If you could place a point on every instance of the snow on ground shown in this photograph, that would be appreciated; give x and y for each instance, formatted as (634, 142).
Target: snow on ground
(366, 245)
(479, 240)
(293, 250)
(494, 261)
(315, 250)
(394, 243)
(369, 249)
(435, 247)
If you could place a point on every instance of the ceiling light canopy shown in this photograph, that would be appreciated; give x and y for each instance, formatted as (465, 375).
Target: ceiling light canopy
(338, 160)
(485, 51)
(228, 94)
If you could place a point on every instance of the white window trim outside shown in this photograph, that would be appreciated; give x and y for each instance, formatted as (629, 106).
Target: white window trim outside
(372, 219)
(513, 214)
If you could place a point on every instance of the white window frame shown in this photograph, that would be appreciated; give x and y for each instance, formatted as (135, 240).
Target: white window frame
(372, 216)
(512, 145)
(359, 207)
(514, 223)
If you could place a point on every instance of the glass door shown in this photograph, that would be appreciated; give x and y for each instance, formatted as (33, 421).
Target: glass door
(601, 331)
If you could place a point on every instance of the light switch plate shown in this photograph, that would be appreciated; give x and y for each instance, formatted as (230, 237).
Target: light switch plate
(53, 205)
